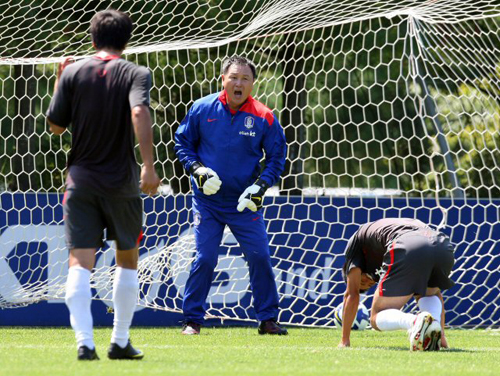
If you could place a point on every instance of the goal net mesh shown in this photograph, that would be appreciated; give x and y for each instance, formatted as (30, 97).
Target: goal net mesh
(390, 109)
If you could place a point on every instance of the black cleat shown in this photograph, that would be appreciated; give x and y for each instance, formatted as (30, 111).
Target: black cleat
(271, 327)
(128, 352)
(84, 353)
(191, 328)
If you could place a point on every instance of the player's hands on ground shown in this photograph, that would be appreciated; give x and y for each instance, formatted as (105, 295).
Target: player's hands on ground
(206, 180)
(444, 342)
(149, 180)
(253, 196)
(344, 344)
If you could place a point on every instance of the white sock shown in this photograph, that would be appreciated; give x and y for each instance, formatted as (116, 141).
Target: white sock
(394, 319)
(125, 290)
(78, 299)
(431, 304)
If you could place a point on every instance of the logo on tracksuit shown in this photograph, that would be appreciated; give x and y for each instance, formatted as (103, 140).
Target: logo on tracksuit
(197, 218)
(249, 121)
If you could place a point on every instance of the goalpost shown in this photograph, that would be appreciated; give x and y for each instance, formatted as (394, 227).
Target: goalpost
(390, 109)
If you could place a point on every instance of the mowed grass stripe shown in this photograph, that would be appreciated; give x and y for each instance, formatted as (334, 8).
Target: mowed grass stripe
(241, 351)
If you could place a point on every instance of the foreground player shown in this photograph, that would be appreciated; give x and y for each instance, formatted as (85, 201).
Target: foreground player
(410, 260)
(220, 143)
(106, 99)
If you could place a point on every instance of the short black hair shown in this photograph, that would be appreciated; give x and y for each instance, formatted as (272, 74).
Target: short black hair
(111, 28)
(239, 60)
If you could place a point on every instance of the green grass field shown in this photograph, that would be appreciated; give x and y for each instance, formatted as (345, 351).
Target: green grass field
(241, 351)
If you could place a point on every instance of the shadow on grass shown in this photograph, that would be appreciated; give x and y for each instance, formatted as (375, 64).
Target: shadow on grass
(455, 350)
(392, 348)
(443, 351)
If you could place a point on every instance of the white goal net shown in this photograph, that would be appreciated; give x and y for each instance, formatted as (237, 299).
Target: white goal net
(390, 109)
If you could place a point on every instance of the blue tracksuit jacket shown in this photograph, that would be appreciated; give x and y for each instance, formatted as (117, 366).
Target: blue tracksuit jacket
(231, 145)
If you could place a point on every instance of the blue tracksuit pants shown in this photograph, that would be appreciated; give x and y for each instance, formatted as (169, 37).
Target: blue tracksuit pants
(250, 232)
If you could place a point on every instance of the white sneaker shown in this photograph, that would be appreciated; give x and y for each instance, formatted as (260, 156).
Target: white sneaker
(419, 331)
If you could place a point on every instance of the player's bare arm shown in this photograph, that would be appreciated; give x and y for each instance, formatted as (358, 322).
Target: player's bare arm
(141, 119)
(366, 282)
(54, 128)
(351, 302)
(62, 65)
(444, 342)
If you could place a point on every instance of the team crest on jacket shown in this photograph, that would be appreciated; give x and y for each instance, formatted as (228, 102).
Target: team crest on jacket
(249, 122)
(197, 218)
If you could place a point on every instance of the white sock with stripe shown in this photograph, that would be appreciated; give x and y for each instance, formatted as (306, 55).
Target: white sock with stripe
(394, 319)
(431, 304)
(78, 299)
(125, 290)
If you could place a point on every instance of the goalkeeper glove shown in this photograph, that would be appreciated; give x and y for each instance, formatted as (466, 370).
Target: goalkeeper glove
(253, 196)
(206, 179)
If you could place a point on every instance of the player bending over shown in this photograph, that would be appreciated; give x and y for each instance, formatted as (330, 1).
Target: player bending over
(407, 259)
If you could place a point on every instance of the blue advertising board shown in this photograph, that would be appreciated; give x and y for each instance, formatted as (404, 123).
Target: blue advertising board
(307, 236)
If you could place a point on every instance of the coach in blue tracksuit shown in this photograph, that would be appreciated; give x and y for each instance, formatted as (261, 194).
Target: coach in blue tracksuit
(220, 143)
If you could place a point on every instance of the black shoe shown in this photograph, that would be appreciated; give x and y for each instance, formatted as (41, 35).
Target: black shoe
(191, 328)
(84, 353)
(271, 327)
(128, 352)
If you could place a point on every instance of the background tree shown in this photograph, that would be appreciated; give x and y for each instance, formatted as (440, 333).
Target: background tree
(347, 94)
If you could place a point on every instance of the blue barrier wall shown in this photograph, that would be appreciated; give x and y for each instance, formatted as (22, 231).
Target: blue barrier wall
(313, 231)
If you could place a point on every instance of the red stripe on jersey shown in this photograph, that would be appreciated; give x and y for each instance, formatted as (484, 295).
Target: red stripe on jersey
(223, 97)
(141, 236)
(64, 197)
(252, 106)
(391, 252)
(256, 108)
(107, 57)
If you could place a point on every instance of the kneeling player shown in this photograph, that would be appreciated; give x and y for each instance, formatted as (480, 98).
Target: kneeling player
(407, 259)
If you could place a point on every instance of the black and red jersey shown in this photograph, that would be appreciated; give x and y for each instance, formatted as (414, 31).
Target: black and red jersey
(95, 96)
(367, 247)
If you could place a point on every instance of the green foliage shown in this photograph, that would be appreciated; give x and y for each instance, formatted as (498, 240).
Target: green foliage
(473, 124)
(353, 110)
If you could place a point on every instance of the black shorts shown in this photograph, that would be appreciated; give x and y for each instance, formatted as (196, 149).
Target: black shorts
(416, 261)
(86, 215)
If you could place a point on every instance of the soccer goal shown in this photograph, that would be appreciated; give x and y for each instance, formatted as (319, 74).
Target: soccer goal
(390, 109)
